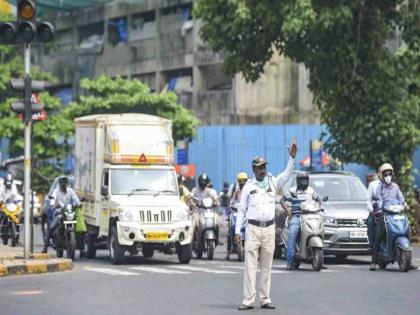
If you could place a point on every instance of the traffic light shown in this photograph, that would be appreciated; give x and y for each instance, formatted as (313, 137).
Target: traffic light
(27, 86)
(26, 29)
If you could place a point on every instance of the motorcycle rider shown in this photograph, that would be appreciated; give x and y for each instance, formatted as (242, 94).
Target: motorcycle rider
(8, 191)
(62, 195)
(241, 179)
(184, 193)
(295, 196)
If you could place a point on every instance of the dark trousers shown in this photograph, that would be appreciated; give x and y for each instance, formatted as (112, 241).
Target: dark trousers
(380, 234)
(371, 229)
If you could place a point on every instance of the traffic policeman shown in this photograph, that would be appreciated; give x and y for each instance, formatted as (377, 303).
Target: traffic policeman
(257, 205)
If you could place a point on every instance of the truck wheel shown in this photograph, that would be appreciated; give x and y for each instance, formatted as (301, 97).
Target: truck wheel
(318, 258)
(91, 247)
(147, 251)
(71, 245)
(210, 249)
(13, 233)
(404, 260)
(116, 251)
(184, 253)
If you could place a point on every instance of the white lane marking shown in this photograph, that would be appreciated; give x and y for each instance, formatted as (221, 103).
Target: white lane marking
(330, 270)
(232, 267)
(112, 272)
(280, 271)
(159, 270)
(202, 269)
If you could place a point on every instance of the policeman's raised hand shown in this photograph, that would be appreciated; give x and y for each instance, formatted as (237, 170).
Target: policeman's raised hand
(292, 149)
(237, 238)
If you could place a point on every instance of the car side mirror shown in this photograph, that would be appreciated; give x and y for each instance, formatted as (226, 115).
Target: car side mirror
(325, 198)
(104, 191)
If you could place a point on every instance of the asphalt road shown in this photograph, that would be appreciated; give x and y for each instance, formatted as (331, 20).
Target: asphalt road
(162, 286)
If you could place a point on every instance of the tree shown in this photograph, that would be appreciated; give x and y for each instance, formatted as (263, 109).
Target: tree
(368, 94)
(105, 95)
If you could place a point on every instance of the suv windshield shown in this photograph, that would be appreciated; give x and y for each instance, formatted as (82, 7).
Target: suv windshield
(143, 181)
(339, 188)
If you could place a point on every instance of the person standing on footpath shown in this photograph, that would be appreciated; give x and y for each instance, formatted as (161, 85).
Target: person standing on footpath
(257, 205)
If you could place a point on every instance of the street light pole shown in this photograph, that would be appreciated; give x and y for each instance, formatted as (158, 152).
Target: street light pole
(27, 163)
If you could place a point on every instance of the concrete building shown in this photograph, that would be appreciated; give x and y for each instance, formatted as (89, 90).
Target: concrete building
(157, 42)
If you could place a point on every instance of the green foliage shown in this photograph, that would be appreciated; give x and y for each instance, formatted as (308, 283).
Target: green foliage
(107, 95)
(368, 94)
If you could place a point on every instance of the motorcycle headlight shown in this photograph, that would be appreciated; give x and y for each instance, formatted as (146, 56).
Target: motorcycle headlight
(129, 215)
(330, 221)
(70, 216)
(11, 207)
(182, 215)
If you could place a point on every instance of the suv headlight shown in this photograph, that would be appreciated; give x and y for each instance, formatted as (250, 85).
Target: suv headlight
(330, 221)
(129, 215)
(182, 215)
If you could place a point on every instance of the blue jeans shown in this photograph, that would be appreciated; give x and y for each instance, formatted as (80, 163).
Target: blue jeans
(294, 227)
(371, 230)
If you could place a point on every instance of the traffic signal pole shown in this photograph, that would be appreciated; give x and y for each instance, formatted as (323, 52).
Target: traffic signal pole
(27, 158)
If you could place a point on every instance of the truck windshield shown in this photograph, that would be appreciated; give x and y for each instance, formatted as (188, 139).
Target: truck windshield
(143, 182)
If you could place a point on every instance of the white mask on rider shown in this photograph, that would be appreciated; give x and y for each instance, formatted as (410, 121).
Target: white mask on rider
(388, 179)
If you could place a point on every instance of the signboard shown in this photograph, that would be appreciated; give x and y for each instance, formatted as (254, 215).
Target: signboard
(187, 170)
(182, 156)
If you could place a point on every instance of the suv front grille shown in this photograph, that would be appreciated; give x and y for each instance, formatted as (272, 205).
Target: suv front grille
(350, 222)
(151, 216)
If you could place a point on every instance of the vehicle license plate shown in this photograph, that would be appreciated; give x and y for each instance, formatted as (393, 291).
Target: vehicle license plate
(399, 217)
(358, 234)
(157, 236)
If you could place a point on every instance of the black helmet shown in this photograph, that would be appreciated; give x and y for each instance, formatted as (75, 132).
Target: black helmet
(302, 180)
(203, 178)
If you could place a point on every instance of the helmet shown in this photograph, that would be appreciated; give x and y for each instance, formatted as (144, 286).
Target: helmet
(302, 180)
(385, 167)
(63, 179)
(203, 178)
(242, 176)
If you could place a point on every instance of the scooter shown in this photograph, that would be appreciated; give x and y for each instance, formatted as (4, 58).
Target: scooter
(64, 236)
(234, 246)
(396, 245)
(310, 240)
(9, 224)
(206, 236)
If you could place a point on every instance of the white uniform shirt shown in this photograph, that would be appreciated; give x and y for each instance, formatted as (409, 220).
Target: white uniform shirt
(258, 203)
(372, 188)
(64, 198)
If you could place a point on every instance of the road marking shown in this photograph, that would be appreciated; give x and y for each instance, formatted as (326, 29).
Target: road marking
(24, 293)
(202, 269)
(112, 272)
(232, 267)
(159, 270)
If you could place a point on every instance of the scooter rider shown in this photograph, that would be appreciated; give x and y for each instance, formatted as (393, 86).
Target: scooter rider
(241, 180)
(387, 191)
(296, 195)
(62, 195)
(184, 193)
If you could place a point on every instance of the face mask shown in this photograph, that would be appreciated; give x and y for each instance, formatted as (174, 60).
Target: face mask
(388, 179)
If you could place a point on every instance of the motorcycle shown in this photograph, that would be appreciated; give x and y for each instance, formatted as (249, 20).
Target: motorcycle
(206, 236)
(396, 245)
(64, 237)
(9, 225)
(310, 240)
(234, 246)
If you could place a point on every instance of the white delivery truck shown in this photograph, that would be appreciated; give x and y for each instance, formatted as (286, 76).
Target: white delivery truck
(125, 177)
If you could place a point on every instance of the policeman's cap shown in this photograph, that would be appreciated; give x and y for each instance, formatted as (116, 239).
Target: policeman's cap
(259, 161)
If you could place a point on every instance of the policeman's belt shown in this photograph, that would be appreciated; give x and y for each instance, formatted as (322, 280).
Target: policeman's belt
(261, 223)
